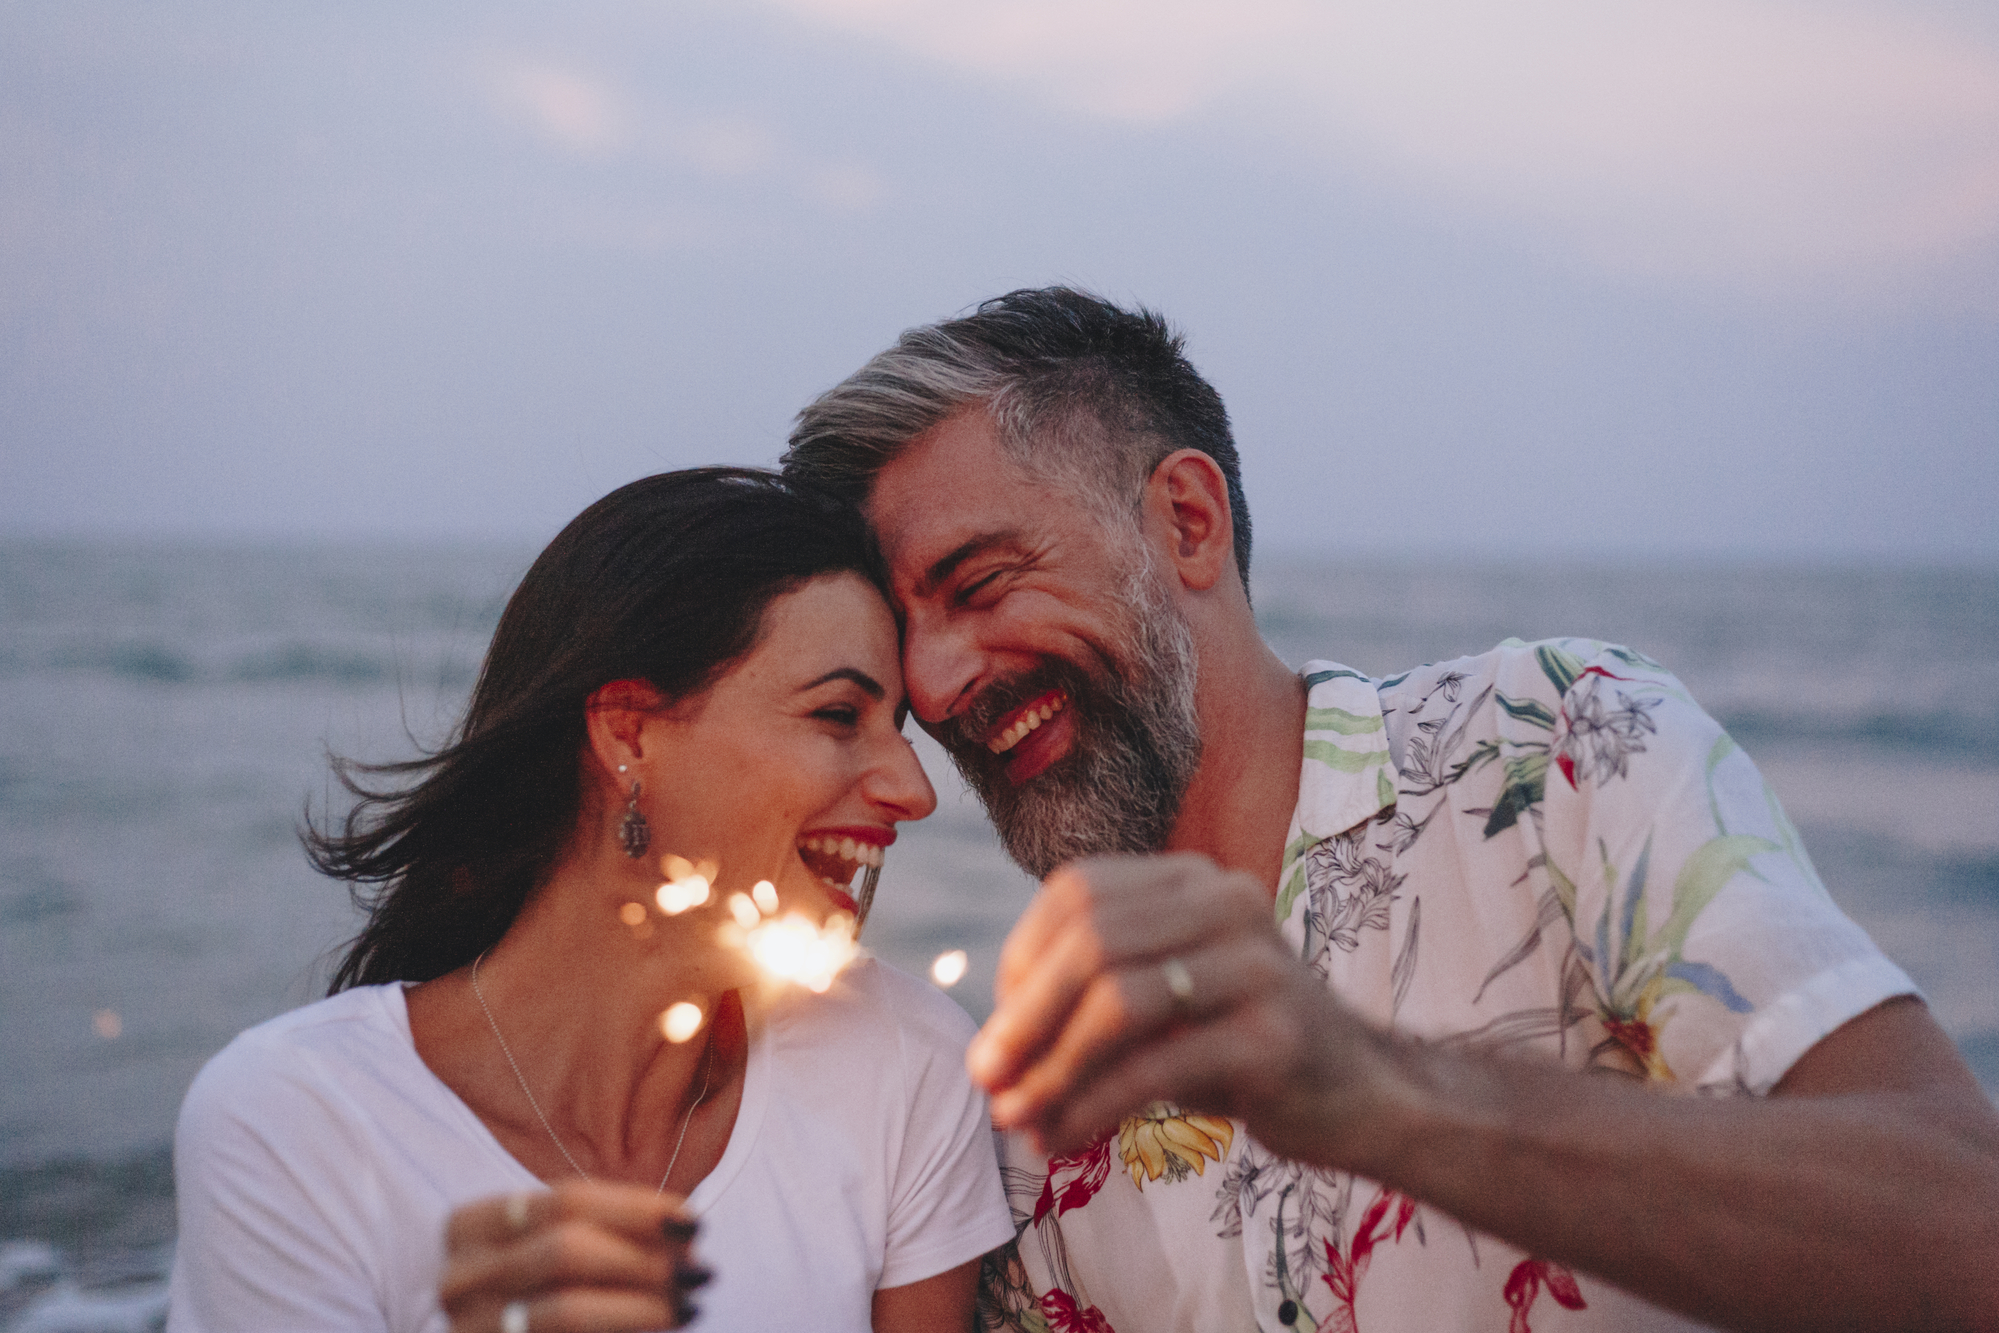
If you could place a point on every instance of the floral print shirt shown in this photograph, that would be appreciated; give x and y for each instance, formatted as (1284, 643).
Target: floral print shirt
(1548, 850)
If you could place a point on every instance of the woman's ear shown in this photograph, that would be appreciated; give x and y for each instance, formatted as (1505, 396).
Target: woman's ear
(1187, 503)
(614, 717)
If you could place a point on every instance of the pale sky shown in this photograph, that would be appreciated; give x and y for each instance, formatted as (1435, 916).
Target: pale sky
(1558, 276)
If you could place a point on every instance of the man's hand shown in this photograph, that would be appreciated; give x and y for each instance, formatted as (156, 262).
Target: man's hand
(1131, 980)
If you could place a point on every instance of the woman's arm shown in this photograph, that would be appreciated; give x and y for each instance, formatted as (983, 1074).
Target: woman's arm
(943, 1302)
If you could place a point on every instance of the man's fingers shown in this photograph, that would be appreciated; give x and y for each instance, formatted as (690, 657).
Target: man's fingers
(1036, 1009)
(1098, 918)
(1119, 1011)
(1206, 1068)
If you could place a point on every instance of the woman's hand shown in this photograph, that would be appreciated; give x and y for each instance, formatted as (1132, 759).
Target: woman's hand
(580, 1258)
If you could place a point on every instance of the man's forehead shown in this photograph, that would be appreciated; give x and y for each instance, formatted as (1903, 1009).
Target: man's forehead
(950, 494)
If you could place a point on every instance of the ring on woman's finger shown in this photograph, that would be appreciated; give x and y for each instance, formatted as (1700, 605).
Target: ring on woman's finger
(1179, 984)
(514, 1317)
(517, 1218)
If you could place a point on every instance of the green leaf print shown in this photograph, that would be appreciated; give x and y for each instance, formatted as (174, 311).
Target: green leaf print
(1560, 666)
(1526, 784)
(1341, 721)
(1344, 761)
(1528, 710)
(1712, 865)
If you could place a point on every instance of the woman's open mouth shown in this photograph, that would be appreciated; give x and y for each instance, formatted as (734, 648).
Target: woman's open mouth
(835, 855)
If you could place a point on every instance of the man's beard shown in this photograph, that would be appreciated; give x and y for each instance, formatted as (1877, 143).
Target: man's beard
(1136, 745)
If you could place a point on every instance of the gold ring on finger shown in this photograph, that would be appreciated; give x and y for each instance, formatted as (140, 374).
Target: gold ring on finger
(1180, 984)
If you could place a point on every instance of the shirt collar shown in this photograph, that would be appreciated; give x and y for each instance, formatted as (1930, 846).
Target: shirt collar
(1347, 777)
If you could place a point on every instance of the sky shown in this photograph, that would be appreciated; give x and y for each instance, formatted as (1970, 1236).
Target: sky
(1590, 278)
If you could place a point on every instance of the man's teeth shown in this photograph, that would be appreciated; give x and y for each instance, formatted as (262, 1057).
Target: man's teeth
(1027, 722)
(860, 853)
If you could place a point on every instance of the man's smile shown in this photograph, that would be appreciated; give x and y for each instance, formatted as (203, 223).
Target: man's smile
(1034, 735)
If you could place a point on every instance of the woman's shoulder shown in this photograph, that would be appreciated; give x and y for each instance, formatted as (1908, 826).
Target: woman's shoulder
(319, 1044)
(877, 1011)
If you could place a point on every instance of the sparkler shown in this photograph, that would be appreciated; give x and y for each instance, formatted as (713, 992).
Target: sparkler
(787, 947)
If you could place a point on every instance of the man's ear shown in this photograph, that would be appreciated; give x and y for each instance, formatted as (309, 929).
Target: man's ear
(614, 718)
(1187, 503)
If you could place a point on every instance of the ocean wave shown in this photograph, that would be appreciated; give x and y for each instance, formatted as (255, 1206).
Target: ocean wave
(1933, 733)
(160, 662)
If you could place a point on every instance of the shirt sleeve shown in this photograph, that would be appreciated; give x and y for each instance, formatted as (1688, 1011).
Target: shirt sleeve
(1716, 953)
(266, 1229)
(946, 1206)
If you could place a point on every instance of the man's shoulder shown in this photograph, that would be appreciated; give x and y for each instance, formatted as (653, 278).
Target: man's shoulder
(1540, 667)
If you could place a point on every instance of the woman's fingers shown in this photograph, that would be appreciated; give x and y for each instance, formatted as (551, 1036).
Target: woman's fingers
(631, 1210)
(585, 1255)
(570, 1253)
(576, 1310)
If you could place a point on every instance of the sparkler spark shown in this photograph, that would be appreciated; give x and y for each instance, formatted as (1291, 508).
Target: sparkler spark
(681, 1021)
(792, 948)
(949, 969)
(765, 896)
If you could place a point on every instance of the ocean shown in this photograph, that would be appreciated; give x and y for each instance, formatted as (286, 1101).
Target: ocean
(167, 710)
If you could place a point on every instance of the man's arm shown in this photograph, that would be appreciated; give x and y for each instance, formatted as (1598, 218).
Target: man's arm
(1863, 1194)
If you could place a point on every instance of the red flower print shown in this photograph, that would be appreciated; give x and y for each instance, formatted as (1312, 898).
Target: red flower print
(1059, 1308)
(1525, 1283)
(1344, 1271)
(1081, 1176)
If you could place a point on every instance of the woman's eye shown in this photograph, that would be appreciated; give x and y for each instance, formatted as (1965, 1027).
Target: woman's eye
(840, 715)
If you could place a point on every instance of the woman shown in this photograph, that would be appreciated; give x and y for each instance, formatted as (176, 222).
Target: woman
(700, 667)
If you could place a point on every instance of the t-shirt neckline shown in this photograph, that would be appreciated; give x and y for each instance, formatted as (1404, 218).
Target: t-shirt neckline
(742, 1136)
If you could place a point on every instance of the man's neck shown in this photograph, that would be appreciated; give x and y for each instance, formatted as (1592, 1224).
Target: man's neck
(1238, 807)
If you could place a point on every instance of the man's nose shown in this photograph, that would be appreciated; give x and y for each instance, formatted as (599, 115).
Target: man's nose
(940, 667)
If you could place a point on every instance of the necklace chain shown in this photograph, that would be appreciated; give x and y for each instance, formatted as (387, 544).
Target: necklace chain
(520, 1078)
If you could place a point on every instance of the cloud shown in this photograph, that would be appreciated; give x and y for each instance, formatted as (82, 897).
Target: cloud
(590, 116)
(570, 109)
(1756, 139)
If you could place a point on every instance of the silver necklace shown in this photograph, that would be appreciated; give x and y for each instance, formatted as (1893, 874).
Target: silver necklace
(520, 1078)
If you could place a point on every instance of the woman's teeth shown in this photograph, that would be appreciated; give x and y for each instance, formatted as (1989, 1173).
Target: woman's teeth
(1027, 722)
(859, 853)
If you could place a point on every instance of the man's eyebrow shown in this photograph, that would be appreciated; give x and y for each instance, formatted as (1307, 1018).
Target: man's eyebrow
(942, 568)
(855, 674)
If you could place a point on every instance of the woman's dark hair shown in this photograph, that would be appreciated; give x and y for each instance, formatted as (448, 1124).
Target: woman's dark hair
(665, 580)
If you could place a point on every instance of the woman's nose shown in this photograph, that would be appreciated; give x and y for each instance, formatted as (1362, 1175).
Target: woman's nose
(900, 783)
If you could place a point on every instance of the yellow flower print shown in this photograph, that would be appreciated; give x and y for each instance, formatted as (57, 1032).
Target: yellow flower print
(1163, 1141)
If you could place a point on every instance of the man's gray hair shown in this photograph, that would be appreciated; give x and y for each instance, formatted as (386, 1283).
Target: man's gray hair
(1082, 392)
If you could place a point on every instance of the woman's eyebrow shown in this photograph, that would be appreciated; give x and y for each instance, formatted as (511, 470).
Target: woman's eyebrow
(859, 677)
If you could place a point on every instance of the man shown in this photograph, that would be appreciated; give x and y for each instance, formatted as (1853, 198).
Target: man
(1519, 901)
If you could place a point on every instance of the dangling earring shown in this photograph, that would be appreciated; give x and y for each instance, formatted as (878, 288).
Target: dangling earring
(634, 834)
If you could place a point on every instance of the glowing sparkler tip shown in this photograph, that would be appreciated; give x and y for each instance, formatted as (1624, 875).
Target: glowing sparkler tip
(744, 910)
(765, 894)
(681, 1021)
(949, 969)
(792, 948)
(678, 895)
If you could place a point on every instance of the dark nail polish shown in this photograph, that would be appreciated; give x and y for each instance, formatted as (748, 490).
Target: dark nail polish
(680, 1228)
(692, 1277)
(685, 1312)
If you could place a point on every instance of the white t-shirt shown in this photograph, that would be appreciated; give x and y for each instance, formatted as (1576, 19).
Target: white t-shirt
(317, 1159)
